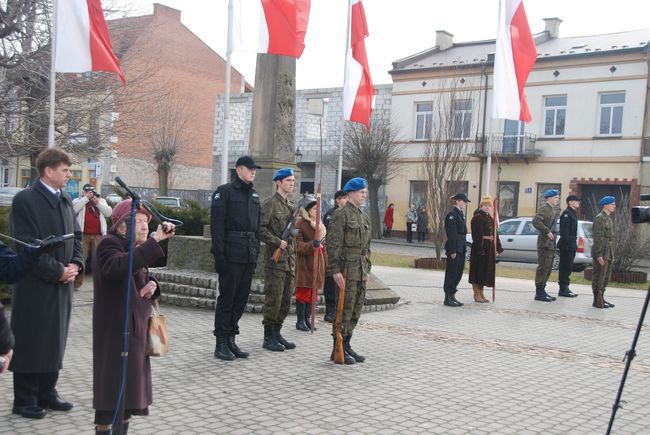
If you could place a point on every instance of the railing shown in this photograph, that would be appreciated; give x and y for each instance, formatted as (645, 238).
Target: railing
(507, 145)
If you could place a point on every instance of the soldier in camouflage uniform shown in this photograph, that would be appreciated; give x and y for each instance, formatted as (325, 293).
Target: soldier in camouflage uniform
(602, 251)
(348, 249)
(278, 278)
(544, 222)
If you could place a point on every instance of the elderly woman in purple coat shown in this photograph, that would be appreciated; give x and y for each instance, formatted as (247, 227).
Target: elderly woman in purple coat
(110, 266)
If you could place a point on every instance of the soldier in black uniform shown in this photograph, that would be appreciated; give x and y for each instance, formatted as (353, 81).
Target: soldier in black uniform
(329, 289)
(235, 228)
(456, 229)
(567, 245)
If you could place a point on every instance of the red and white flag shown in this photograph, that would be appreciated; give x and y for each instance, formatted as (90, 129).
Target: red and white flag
(82, 40)
(514, 59)
(358, 91)
(270, 26)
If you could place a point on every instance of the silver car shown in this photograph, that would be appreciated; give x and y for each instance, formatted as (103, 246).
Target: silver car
(519, 241)
(7, 194)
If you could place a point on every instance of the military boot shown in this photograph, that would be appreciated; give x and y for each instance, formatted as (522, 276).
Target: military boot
(281, 339)
(598, 300)
(347, 358)
(308, 318)
(222, 351)
(270, 341)
(605, 303)
(541, 295)
(449, 301)
(230, 340)
(348, 349)
(565, 292)
(300, 315)
(329, 313)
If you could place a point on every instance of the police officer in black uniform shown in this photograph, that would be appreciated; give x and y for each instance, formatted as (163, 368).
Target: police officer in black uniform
(568, 244)
(456, 229)
(235, 228)
(329, 288)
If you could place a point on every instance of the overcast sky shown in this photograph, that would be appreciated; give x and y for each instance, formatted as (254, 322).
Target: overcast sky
(400, 28)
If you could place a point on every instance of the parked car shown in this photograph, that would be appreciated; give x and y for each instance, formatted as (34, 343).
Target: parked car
(519, 241)
(114, 198)
(172, 202)
(7, 194)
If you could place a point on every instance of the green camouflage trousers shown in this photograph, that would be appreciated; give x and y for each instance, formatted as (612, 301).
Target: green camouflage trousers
(600, 276)
(278, 288)
(544, 266)
(355, 296)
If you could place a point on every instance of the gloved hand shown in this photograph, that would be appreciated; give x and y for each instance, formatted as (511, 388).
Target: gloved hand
(316, 244)
(220, 264)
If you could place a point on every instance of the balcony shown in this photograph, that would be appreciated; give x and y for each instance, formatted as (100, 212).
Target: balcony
(519, 147)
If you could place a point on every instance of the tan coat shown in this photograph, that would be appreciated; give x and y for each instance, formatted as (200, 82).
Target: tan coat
(305, 255)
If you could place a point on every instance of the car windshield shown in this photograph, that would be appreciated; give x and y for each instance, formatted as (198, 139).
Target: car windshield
(587, 229)
(169, 202)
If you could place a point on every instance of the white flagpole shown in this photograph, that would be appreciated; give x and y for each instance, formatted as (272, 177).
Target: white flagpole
(50, 132)
(345, 79)
(226, 109)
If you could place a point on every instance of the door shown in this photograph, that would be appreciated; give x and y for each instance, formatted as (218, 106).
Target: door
(507, 233)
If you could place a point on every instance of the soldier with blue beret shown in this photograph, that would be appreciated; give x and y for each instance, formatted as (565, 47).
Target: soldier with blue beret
(544, 222)
(283, 173)
(602, 251)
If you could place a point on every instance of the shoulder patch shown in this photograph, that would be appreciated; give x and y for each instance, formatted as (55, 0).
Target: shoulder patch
(451, 218)
(255, 195)
(216, 196)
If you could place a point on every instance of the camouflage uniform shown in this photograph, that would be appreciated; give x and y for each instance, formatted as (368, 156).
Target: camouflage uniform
(603, 231)
(278, 278)
(348, 247)
(544, 222)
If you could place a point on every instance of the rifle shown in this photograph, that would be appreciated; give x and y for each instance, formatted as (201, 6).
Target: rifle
(339, 355)
(287, 233)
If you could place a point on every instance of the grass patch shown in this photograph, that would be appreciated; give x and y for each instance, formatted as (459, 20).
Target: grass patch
(392, 260)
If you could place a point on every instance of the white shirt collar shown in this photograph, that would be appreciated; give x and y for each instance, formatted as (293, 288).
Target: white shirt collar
(50, 188)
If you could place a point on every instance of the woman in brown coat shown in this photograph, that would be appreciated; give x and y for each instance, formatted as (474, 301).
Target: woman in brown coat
(110, 266)
(482, 262)
(306, 248)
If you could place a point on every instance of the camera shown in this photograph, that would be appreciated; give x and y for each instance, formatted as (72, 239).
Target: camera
(641, 214)
(96, 195)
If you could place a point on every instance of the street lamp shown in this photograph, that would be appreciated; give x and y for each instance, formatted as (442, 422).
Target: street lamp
(298, 155)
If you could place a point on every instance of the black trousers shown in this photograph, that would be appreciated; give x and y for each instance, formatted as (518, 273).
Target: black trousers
(566, 265)
(422, 235)
(234, 288)
(454, 272)
(409, 232)
(31, 388)
(330, 290)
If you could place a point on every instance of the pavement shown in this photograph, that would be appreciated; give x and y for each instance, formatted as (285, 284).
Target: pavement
(515, 366)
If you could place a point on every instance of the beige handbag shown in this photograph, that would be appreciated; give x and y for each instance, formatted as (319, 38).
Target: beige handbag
(157, 337)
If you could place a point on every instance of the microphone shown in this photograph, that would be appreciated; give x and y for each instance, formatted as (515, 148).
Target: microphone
(129, 192)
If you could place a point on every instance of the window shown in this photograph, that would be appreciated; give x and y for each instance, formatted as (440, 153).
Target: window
(554, 115)
(462, 118)
(508, 228)
(529, 229)
(418, 193)
(611, 113)
(423, 120)
(543, 187)
(508, 199)
(25, 177)
(513, 136)
(458, 186)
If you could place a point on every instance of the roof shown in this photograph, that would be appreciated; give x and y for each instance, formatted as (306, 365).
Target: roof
(126, 31)
(476, 52)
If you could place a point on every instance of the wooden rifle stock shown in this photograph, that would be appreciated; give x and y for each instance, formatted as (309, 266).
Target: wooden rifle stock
(339, 355)
(277, 255)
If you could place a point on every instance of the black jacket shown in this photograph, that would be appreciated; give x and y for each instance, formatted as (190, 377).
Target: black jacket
(328, 216)
(235, 223)
(568, 230)
(456, 230)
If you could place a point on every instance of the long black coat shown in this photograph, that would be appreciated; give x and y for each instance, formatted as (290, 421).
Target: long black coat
(482, 262)
(456, 230)
(111, 266)
(41, 304)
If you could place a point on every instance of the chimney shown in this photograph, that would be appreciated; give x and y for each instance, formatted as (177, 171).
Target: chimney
(444, 40)
(552, 26)
(163, 11)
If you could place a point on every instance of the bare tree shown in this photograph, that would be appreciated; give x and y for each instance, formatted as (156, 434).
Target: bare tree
(445, 158)
(371, 154)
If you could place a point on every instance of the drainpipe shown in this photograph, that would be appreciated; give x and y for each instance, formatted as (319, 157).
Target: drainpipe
(483, 141)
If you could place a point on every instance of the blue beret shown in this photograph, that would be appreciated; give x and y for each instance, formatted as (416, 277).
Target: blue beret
(283, 173)
(355, 184)
(607, 200)
(551, 193)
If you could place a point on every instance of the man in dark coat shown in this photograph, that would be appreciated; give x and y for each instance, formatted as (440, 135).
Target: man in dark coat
(456, 230)
(235, 229)
(568, 245)
(42, 300)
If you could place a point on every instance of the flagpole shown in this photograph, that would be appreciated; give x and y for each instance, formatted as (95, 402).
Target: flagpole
(226, 109)
(345, 79)
(50, 131)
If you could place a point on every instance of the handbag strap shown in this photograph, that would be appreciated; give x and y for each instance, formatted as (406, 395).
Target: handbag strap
(155, 308)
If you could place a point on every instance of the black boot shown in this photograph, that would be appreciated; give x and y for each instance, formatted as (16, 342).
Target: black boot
(125, 428)
(347, 358)
(230, 340)
(450, 301)
(329, 313)
(565, 292)
(300, 314)
(348, 349)
(605, 303)
(453, 296)
(102, 432)
(222, 351)
(541, 295)
(270, 341)
(308, 318)
(281, 339)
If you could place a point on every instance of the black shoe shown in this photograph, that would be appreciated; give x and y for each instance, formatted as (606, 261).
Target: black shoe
(460, 304)
(270, 341)
(281, 339)
(55, 404)
(566, 293)
(329, 316)
(230, 340)
(348, 349)
(608, 304)
(29, 411)
(300, 314)
(308, 317)
(222, 351)
(449, 301)
(541, 295)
